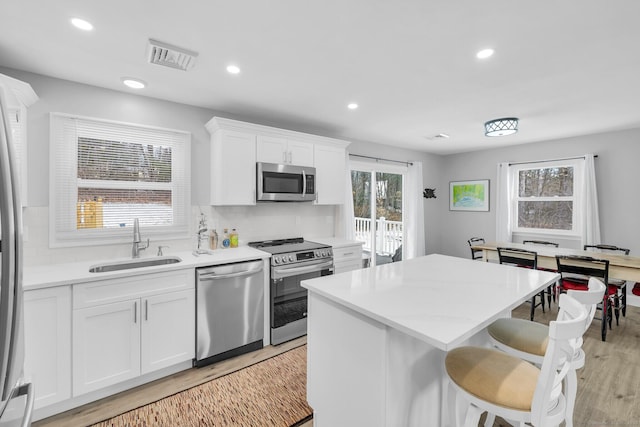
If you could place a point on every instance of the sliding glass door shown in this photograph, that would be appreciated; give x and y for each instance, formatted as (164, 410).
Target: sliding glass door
(378, 210)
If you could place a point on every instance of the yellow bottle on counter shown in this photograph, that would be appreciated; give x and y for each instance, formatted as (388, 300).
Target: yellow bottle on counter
(233, 237)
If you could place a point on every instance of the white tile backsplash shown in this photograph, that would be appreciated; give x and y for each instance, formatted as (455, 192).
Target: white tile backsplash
(261, 222)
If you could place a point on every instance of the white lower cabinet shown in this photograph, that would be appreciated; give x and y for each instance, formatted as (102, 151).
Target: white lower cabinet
(347, 257)
(166, 319)
(47, 334)
(124, 328)
(106, 345)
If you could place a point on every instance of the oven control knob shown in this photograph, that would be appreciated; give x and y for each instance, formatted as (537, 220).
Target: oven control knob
(276, 260)
(324, 253)
(291, 258)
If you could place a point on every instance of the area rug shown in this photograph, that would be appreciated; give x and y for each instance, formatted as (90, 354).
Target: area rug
(269, 393)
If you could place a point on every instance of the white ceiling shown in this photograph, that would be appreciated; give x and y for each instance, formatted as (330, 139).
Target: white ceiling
(565, 68)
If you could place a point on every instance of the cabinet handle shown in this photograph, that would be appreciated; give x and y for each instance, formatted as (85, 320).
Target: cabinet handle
(135, 312)
(347, 254)
(146, 310)
(290, 156)
(284, 156)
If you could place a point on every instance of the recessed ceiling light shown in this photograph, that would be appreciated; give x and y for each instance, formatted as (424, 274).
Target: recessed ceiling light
(442, 135)
(82, 24)
(484, 53)
(233, 69)
(133, 83)
(352, 106)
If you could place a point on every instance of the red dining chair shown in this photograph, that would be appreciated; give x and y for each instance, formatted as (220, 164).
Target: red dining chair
(551, 290)
(575, 272)
(522, 258)
(476, 253)
(620, 297)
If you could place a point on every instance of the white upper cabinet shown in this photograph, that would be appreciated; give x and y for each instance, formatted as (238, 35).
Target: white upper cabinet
(331, 174)
(284, 151)
(237, 146)
(232, 166)
(18, 96)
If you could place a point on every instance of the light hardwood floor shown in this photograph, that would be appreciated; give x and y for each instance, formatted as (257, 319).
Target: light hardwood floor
(608, 385)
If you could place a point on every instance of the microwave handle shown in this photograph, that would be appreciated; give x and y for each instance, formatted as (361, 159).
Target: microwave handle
(304, 184)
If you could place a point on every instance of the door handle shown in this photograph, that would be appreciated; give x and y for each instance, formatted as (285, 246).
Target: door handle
(135, 312)
(146, 310)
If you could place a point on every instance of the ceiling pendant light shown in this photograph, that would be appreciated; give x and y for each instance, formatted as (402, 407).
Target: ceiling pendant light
(501, 127)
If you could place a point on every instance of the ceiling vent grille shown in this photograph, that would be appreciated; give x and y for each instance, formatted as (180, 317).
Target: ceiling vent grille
(171, 56)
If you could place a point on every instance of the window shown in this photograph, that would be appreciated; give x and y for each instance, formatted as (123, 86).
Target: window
(546, 197)
(378, 214)
(105, 174)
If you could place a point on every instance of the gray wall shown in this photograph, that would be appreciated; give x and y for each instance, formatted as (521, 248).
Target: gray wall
(445, 231)
(617, 175)
(63, 96)
(256, 223)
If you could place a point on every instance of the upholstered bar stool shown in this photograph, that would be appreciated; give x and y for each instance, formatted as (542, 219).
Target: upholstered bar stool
(504, 385)
(528, 340)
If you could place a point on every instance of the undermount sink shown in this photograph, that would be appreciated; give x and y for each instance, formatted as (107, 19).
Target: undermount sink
(129, 264)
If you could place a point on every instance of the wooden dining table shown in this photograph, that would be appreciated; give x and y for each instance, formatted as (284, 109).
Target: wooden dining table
(623, 267)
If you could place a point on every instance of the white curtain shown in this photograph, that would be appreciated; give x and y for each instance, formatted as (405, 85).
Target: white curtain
(503, 204)
(590, 215)
(347, 220)
(414, 214)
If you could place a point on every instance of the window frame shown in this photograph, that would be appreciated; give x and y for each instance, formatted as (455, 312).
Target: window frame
(578, 168)
(64, 183)
(373, 168)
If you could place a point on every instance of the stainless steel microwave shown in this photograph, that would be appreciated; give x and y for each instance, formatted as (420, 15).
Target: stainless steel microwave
(285, 183)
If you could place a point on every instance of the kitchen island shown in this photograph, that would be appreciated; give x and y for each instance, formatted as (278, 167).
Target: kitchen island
(377, 337)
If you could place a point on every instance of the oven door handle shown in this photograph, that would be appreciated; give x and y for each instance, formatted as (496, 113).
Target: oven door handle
(292, 271)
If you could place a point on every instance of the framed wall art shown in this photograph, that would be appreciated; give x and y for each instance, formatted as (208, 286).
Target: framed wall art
(469, 195)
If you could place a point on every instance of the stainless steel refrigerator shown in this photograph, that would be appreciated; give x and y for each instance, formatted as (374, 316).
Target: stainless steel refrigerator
(16, 395)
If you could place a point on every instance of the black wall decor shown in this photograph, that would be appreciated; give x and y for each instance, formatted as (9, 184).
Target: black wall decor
(429, 193)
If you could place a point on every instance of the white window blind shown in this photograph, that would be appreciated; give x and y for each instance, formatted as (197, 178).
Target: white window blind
(105, 174)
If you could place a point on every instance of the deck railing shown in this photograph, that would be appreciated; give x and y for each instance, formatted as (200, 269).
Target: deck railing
(388, 235)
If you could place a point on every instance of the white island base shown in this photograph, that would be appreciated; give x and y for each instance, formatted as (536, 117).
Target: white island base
(361, 372)
(377, 337)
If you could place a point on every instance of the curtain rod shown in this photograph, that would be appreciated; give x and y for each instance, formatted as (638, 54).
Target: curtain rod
(380, 158)
(551, 160)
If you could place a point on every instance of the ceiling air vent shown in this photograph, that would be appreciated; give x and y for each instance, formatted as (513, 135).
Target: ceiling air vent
(171, 56)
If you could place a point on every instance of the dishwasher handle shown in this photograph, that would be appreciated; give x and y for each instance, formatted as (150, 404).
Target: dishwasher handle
(216, 276)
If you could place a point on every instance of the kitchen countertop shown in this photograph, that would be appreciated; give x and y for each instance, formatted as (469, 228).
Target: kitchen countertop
(438, 299)
(335, 242)
(45, 276)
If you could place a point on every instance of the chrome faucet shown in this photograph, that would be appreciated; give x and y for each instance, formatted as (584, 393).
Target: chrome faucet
(135, 251)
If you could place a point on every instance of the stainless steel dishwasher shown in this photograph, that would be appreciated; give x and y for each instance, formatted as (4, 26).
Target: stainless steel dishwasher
(229, 310)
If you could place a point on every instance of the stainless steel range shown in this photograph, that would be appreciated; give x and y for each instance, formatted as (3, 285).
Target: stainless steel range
(293, 260)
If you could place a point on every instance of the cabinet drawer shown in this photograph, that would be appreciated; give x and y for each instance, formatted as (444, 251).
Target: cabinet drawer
(347, 253)
(341, 267)
(127, 288)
